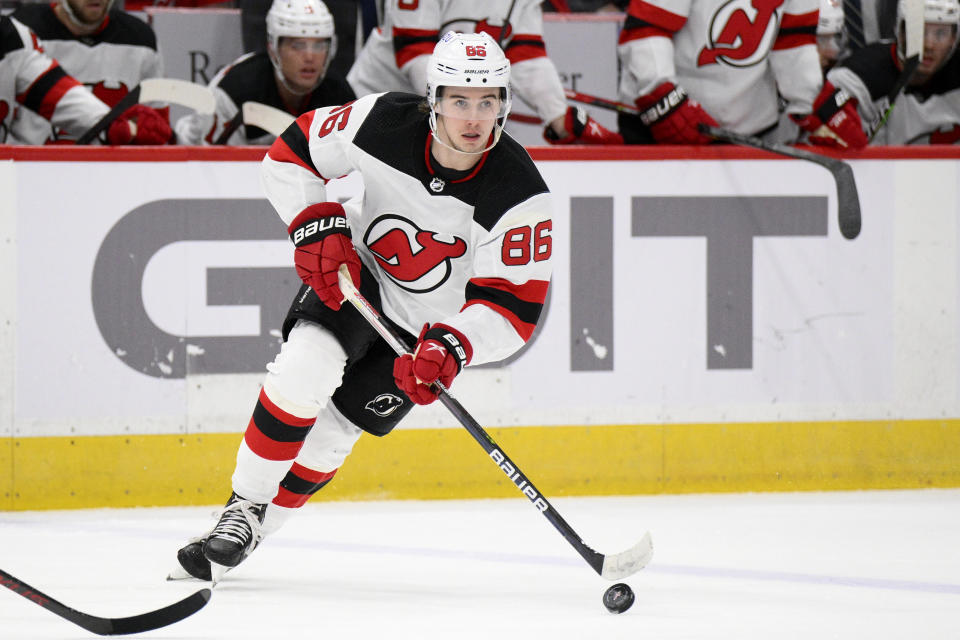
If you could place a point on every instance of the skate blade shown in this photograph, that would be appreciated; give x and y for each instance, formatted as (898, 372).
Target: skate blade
(216, 573)
(179, 573)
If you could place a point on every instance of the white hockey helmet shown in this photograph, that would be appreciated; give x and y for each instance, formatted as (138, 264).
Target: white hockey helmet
(468, 60)
(299, 19)
(831, 17)
(934, 12)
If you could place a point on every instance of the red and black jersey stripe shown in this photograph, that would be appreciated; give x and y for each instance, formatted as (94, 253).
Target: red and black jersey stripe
(45, 92)
(525, 46)
(293, 145)
(273, 433)
(520, 304)
(797, 31)
(299, 484)
(411, 43)
(645, 20)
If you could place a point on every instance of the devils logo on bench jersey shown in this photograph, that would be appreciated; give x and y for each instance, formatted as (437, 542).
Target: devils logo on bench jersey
(741, 33)
(416, 259)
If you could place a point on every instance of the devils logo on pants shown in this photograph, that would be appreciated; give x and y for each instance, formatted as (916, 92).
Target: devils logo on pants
(417, 260)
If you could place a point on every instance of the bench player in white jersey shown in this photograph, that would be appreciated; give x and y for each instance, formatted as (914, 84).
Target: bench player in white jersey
(106, 49)
(29, 78)
(394, 58)
(687, 62)
(451, 240)
(292, 75)
(928, 111)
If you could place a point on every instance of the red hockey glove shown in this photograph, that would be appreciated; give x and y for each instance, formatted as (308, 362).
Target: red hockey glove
(834, 121)
(441, 353)
(322, 237)
(581, 129)
(140, 125)
(673, 117)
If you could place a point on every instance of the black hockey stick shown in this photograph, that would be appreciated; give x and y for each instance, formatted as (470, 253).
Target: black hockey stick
(229, 128)
(848, 202)
(603, 103)
(197, 97)
(611, 567)
(110, 626)
(901, 83)
(913, 26)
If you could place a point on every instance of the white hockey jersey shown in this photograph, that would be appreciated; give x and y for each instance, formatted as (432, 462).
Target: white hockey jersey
(110, 62)
(469, 249)
(733, 56)
(928, 114)
(395, 55)
(31, 79)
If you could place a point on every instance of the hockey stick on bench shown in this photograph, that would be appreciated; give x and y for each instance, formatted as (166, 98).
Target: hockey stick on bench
(848, 202)
(188, 94)
(110, 626)
(611, 567)
(256, 114)
(912, 48)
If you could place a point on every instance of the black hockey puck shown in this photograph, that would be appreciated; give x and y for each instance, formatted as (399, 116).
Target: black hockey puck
(618, 598)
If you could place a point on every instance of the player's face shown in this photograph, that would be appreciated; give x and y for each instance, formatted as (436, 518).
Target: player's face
(302, 60)
(829, 46)
(90, 11)
(466, 116)
(937, 44)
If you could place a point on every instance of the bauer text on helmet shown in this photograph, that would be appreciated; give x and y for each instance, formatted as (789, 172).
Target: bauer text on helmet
(301, 42)
(474, 63)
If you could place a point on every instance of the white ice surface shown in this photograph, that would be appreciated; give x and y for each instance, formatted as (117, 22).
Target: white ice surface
(869, 565)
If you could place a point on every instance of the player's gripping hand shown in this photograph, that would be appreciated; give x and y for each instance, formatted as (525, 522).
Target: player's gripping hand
(140, 125)
(441, 353)
(673, 117)
(322, 237)
(834, 121)
(581, 129)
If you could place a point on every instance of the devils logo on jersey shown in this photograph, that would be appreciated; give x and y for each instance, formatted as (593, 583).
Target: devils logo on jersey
(741, 33)
(415, 259)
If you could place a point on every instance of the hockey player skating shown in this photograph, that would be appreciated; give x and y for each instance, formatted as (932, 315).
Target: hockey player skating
(691, 62)
(928, 112)
(31, 79)
(394, 58)
(292, 75)
(106, 49)
(451, 241)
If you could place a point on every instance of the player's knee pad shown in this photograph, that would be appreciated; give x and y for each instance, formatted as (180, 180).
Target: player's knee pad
(329, 442)
(307, 371)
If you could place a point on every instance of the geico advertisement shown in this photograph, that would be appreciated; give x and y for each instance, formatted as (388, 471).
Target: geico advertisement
(150, 297)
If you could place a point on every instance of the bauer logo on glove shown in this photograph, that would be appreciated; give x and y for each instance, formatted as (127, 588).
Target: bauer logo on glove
(323, 224)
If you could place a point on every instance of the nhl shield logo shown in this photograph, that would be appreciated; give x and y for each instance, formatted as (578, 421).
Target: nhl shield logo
(384, 404)
(437, 185)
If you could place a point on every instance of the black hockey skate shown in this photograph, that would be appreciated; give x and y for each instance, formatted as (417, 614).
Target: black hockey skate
(237, 533)
(193, 562)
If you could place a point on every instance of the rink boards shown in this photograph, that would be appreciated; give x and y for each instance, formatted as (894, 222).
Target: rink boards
(708, 329)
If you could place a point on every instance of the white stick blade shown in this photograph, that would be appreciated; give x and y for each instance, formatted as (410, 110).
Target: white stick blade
(270, 119)
(188, 94)
(913, 24)
(627, 563)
